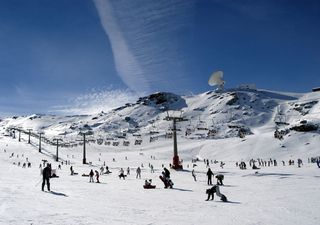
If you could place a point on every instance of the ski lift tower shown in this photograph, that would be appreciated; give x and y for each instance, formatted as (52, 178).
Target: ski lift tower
(19, 129)
(29, 134)
(40, 137)
(175, 119)
(84, 134)
(57, 144)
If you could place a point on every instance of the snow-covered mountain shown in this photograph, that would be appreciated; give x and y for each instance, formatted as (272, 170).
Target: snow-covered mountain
(224, 128)
(235, 113)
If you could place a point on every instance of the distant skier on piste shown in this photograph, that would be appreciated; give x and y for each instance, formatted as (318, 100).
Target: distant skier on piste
(46, 175)
(91, 174)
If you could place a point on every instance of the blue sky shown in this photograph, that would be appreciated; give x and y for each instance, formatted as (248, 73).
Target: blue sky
(83, 56)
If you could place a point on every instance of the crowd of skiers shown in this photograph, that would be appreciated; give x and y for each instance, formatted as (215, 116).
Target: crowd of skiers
(258, 163)
(94, 175)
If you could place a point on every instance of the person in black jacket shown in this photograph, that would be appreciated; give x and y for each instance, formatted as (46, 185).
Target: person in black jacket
(46, 175)
(166, 172)
(209, 174)
(215, 189)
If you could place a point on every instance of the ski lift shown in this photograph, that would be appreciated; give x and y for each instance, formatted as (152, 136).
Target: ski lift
(115, 143)
(202, 125)
(212, 133)
(152, 139)
(169, 135)
(153, 129)
(138, 142)
(100, 141)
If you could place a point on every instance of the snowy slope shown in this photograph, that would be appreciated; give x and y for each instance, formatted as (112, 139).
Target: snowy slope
(241, 124)
(252, 115)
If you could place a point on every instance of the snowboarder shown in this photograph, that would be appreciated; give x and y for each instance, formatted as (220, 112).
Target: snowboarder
(91, 176)
(138, 171)
(193, 175)
(46, 175)
(166, 180)
(209, 175)
(71, 170)
(166, 172)
(215, 189)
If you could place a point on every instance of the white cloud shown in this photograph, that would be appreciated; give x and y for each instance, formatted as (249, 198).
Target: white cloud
(97, 101)
(144, 38)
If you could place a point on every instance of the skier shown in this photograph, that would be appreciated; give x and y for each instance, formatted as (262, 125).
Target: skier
(299, 162)
(318, 163)
(166, 180)
(209, 175)
(101, 170)
(194, 175)
(46, 175)
(97, 176)
(91, 176)
(71, 170)
(138, 171)
(128, 171)
(215, 189)
(220, 178)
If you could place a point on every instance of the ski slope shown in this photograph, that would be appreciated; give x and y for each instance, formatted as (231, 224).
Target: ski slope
(274, 195)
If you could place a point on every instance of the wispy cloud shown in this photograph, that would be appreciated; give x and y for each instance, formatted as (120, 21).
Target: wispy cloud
(143, 36)
(258, 10)
(96, 101)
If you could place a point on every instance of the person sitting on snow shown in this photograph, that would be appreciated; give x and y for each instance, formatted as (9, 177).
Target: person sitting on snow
(121, 174)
